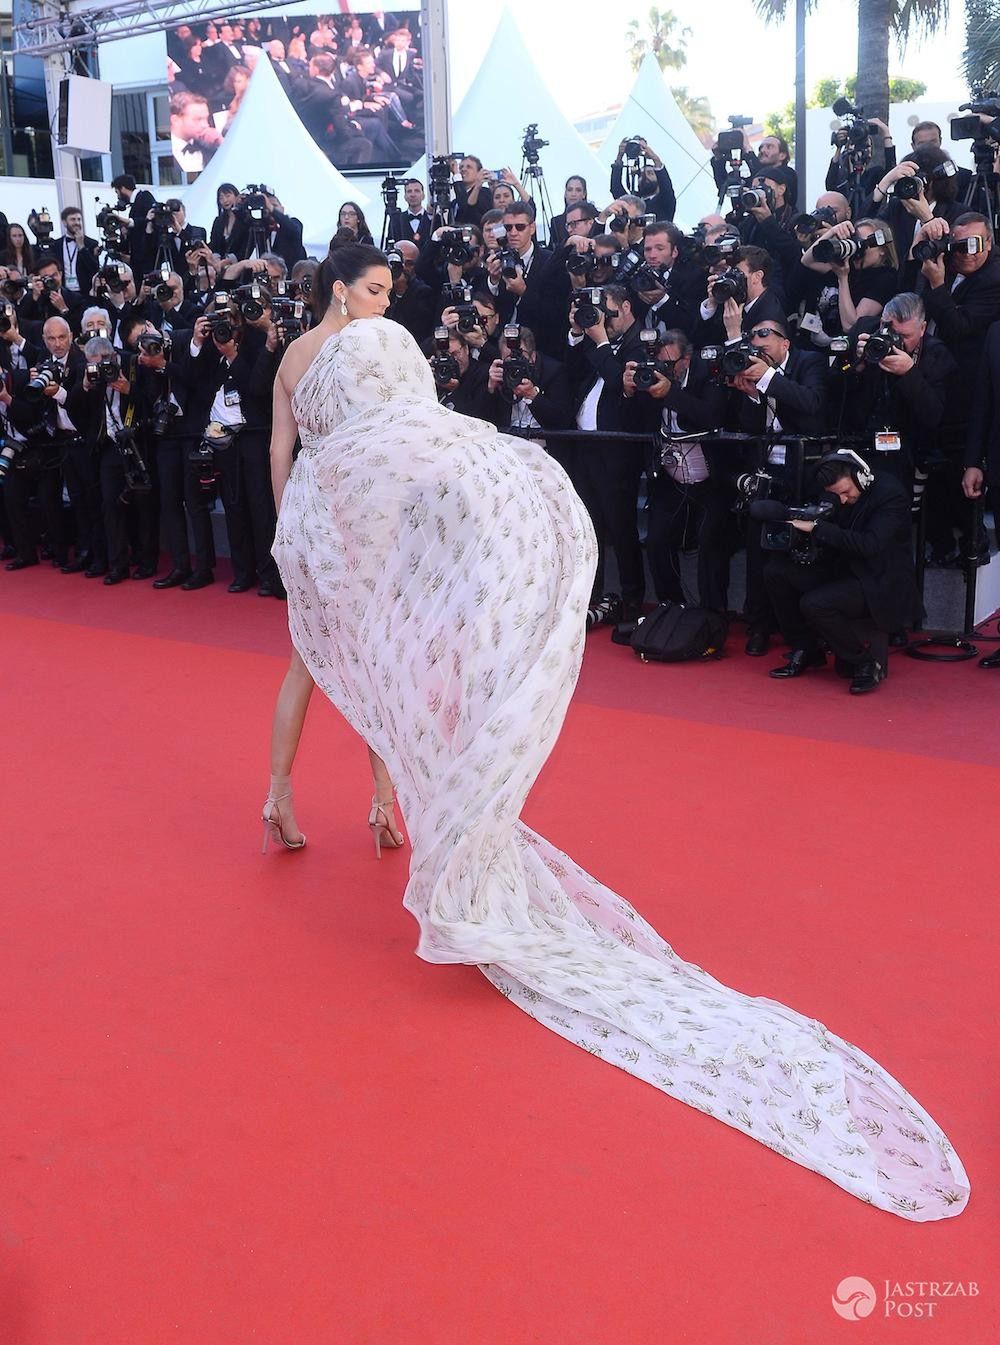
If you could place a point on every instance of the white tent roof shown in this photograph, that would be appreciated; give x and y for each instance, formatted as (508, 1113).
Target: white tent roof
(650, 111)
(486, 125)
(268, 137)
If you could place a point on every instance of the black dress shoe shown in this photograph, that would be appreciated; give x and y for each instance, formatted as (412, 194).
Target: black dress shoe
(271, 591)
(200, 579)
(799, 661)
(95, 571)
(867, 677)
(9, 552)
(758, 642)
(75, 566)
(173, 580)
(115, 577)
(990, 660)
(19, 564)
(240, 586)
(144, 572)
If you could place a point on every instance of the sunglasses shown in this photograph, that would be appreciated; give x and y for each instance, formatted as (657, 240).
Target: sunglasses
(764, 332)
(518, 228)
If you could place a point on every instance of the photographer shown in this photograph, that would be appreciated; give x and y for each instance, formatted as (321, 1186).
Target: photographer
(202, 275)
(527, 389)
(866, 278)
(735, 302)
(863, 576)
(518, 274)
(161, 301)
(411, 302)
(36, 410)
(228, 377)
(653, 185)
(686, 479)
(764, 218)
(603, 338)
(845, 152)
(480, 328)
(472, 194)
(106, 407)
(167, 234)
(113, 288)
(772, 152)
(624, 218)
(921, 188)
(960, 287)
(16, 355)
(460, 381)
(133, 210)
(673, 301)
(574, 193)
(282, 234)
(894, 394)
(47, 297)
(75, 253)
(454, 256)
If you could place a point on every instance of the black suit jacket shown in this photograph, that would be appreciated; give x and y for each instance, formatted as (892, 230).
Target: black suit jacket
(768, 307)
(410, 78)
(903, 225)
(414, 309)
(287, 241)
(586, 363)
(178, 246)
(962, 318)
(799, 395)
(982, 445)
(700, 405)
(400, 228)
(531, 309)
(552, 408)
(86, 261)
(874, 536)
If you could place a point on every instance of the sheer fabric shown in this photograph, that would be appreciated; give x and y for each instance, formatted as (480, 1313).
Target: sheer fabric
(438, 574)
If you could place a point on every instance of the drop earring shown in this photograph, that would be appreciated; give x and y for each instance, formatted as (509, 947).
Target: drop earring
(343, 307)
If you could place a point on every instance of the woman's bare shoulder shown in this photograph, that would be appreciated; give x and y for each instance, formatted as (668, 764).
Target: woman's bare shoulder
(298, 357)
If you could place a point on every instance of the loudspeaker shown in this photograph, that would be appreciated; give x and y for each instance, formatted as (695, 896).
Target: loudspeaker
(84, 124)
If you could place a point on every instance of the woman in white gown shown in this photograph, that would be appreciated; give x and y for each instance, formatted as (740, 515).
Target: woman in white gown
(438, 574)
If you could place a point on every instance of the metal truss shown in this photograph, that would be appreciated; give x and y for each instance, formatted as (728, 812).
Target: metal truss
(66, 27)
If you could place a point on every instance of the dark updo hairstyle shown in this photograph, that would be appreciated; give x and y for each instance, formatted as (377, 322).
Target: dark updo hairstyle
(348, 262)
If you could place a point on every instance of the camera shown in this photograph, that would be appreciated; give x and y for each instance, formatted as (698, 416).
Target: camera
(728, 361)
(8, 316)
(725, 247)
(986, 102)
(589, 305)
(286, 314)
(459, 297)
(928, 248)
(909, 188)
(159, 283)
(777, 534)
(531, 144)
(8, 452)
(216, 438)
(389, 188)
(137, 478)
(455, 294)
(624, 265)
(581, 264)
(163, 215)
(607, 612)
(161, 415)
(153, 343)
(855, 131)
(14, 290)
(252, 205)
(730, 143)
(511, 265)
(48, 374)
(221, 323)
(394, 260)
(252, 300)
(647, 369)
(880, 344)
(750, 198)
(731, 284)
(619, 222)
(516, 367)
(114, 277)
(635, 147)
(40, 224)
(105, 370)
(457, 245)
(443, 364)
(647, 278)
(51, 284)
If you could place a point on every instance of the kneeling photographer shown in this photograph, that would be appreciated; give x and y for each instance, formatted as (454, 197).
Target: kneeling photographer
(839, 568)
(528, 390)
(107, 408)
(674, 395)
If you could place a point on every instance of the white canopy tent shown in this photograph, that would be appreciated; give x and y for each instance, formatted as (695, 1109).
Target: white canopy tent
(651, 111)
(267, 131)
(484, 124)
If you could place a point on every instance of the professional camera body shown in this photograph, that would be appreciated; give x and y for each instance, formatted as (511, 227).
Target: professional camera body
(47, 375)
(8, 452)
(154, 343)
(744, 199)
(777, 533)
(516, 367)
(252, 205)
(648, 368)
(287, 316)
(215, 439)
(40, 224)
(163, 215)
(728, 361)
(113, 276)
(459, 297)
(252, 300)
(531, 144)
(158, 282)
(589, 305)
(880, 344)
(843, 249)
(909, 188)
(511, 265)
(107, 369)
(927, 249)
(731, 284)
(457, 245)
(222, 323)
(730, 143)
(138, 480)
(113, 230)
(855, 131)
(443, 364)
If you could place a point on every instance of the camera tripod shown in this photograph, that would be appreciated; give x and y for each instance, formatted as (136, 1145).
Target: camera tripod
(390, 205)
(534, 181)
(983, 194)
(854, 163)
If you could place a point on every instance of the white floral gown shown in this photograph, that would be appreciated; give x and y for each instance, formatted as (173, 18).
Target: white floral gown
(438, 574)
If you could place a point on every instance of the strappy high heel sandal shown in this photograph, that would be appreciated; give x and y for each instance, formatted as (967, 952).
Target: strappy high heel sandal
(381, 819)
(273, 825)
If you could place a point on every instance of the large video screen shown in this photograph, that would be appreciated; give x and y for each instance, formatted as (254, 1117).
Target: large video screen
(356, 81)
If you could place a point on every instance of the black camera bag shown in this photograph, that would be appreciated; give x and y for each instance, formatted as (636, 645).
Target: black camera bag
(674, 634)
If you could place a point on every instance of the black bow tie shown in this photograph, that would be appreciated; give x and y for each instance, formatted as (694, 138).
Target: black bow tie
(190, 148)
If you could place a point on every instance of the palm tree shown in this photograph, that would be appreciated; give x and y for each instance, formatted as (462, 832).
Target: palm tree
(982, 43)
(664, 29)
(876, 19)
(698, 113)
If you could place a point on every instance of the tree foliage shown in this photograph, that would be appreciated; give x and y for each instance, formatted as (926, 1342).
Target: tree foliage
(826, 91)
(666, 39)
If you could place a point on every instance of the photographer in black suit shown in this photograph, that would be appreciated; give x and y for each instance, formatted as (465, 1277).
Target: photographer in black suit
(519, 294)
(729, 316)
(782, 390)
(673, 302)
(414, 224)
(541, 399)
(411, 302)
(75, 253)
(133, 208)
(863, 575)
(48, 297)
(687, 480)
(177, 238)
(936, 178)
(602, 341)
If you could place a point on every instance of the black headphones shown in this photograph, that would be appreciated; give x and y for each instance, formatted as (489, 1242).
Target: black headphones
(862, 473)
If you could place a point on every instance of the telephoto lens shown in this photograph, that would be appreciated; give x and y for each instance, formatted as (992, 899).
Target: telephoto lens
(836, 249)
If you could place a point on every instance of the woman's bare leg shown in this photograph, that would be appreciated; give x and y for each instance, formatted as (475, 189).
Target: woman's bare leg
(383, 814)
(289, 717)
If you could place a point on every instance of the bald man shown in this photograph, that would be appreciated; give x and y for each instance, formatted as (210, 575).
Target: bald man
(412, 300)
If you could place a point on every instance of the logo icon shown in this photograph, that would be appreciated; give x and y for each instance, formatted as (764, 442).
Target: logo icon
(854, 1298)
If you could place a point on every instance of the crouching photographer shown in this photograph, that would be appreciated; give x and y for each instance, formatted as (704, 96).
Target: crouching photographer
(228, 377)
(670, 393)
(106, 407)
(527, 390)
(840, 573)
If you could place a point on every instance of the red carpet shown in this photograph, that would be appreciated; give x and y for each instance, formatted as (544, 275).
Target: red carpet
(237, 1108)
